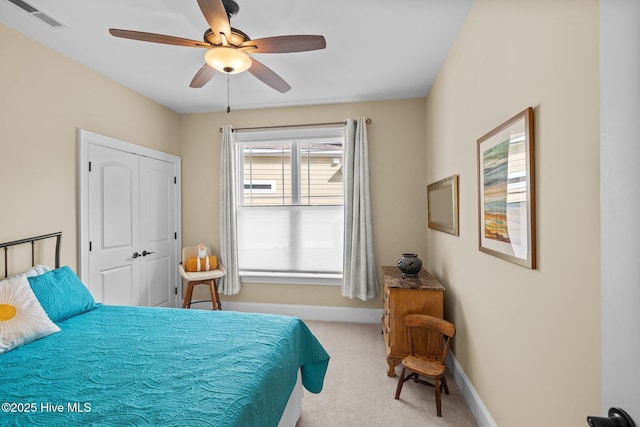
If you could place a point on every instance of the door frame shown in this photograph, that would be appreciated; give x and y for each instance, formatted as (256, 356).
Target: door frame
(85, 138)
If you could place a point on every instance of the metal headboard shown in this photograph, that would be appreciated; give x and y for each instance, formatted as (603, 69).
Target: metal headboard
(32, 240)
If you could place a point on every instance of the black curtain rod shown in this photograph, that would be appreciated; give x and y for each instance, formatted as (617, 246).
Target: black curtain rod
(368, 121)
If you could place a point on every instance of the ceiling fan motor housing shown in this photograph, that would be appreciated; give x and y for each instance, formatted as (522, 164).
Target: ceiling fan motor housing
(236, 38)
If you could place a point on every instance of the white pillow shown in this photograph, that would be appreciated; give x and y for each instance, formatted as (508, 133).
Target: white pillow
(36, 270)
(22, 318)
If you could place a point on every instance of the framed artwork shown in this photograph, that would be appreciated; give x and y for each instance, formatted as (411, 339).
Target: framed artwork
(442, 205)
(506, 196)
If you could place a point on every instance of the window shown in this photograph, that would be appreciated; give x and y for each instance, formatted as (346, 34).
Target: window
(290, 209)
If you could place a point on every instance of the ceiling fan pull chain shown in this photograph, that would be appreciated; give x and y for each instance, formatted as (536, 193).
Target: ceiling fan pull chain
(228, 96)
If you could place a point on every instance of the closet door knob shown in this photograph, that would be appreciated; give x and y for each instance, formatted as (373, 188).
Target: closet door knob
(145, 253)
(135, 255)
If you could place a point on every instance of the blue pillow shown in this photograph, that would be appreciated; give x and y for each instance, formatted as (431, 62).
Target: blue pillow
(61, 294)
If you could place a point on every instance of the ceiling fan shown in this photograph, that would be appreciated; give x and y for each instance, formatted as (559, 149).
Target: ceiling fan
(228, 48)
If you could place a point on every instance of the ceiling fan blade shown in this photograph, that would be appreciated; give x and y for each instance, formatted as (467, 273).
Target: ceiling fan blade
(157, 38)
(216, 15)
(268, 77)
(285, 44)
(202, 77)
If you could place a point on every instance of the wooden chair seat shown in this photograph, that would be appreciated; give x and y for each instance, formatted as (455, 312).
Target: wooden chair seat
(425, 366)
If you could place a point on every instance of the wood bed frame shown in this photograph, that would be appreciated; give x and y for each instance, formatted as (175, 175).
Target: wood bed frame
(32, 240)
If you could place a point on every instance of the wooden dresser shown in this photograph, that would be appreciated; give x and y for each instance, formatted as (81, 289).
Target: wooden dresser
(402, 296)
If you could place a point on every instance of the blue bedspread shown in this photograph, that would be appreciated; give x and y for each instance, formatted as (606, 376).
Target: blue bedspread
(161, 367)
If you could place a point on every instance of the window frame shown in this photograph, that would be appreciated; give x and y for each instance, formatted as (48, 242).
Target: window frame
(300, 135)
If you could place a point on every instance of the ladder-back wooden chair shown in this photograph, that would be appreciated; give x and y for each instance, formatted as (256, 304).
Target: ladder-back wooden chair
(431, 366)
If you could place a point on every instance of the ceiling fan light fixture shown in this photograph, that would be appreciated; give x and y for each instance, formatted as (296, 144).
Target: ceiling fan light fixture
(227, 60)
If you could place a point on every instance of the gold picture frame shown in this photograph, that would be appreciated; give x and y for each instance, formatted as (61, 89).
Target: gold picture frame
(442, 205)
(506, 196)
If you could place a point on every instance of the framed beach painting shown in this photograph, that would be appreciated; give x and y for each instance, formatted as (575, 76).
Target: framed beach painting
(506, 196)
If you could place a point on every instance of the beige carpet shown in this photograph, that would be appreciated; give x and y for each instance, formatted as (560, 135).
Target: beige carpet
(358, 392)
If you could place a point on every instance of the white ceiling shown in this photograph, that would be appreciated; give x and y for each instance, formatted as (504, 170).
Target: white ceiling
(376, 49)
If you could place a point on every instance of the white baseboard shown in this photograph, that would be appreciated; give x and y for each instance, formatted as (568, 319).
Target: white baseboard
(479, 411)
(305, 312)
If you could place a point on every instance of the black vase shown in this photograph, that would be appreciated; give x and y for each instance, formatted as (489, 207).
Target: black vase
(409, 265)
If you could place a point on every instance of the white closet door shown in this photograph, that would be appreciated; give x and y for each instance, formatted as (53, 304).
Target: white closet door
(158, 232)
(114, 224)
(129, 204)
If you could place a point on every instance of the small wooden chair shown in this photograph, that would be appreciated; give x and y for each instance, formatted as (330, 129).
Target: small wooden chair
(200, 278)
(428, 365)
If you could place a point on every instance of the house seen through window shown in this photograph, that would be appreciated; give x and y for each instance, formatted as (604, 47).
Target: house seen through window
(290, 207)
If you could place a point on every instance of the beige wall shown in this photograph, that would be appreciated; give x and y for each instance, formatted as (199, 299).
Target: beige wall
(397, 181)
(529, 340)
(44, 98)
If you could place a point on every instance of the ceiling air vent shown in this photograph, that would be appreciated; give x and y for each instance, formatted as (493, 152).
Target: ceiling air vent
(44, 17)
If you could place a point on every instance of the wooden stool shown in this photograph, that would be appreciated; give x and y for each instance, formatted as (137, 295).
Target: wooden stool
(200, 278)
(213, 289)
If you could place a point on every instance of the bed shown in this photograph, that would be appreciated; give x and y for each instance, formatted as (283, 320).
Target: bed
(117, 365)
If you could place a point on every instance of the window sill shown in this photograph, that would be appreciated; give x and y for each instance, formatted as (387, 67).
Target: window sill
(291, 278)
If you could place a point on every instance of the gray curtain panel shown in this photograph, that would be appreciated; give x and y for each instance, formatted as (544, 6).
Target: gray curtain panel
(359, 269)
